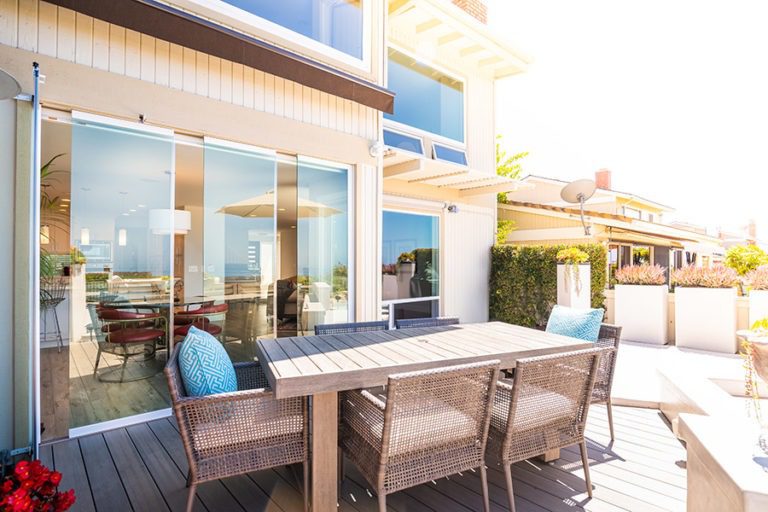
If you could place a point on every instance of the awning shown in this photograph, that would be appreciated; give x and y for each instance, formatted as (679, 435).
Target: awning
(436, 24)
(180, 27)
(413, 168)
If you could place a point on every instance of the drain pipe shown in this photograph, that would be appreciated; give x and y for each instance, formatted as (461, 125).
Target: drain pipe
(34, 251)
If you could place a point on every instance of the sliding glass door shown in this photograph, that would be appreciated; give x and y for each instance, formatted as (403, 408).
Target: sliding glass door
(107, 279)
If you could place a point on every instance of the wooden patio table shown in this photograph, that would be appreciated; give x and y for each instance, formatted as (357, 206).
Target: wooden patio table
(322, 366)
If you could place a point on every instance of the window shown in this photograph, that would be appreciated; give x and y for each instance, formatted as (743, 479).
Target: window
(632, 212)
(399, 140)
(426, 99)
(410, 265)
(338, 24)
(448, 154)
(641, 255)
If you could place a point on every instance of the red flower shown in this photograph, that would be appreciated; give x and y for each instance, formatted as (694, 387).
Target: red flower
(55, 478)
(7, 486)
(22, 470)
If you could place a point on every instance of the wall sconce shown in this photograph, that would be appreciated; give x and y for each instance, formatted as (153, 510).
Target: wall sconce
(45, 235)
(122, 237)
(85, 236)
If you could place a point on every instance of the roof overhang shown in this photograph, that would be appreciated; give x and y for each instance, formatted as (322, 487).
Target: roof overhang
(413, 168)
(180, 27)
(450, 30)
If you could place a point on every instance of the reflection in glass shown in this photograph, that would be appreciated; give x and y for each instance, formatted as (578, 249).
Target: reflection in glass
(410, 259)
(337, 23)
(426, 99)
(322, 242)
(239, 239)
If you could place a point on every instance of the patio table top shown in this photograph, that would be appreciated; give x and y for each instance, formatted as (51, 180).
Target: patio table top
(299, 366)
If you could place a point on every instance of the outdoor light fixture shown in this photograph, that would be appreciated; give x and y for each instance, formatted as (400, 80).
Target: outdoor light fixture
(578, 192)
(85, 236)
(159, 221)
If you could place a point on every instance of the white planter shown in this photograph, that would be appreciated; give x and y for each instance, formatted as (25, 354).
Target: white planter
(705, 319)
(642, 312)
(758, 306)
(573, 292)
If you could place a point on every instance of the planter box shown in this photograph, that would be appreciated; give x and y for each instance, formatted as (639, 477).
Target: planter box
(574, 293)
(758, 306)
(642, 312)
(705, 319)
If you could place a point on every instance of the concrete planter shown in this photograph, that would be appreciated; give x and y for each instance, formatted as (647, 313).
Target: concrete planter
(705, 319)
(573, 288)
(758, 306)
(642, 312)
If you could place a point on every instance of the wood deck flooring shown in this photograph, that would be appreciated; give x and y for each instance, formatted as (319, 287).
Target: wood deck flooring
(143, 468)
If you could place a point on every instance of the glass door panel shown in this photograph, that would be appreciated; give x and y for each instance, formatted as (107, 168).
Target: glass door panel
(239, 241)
(322, 232)
(106, 289)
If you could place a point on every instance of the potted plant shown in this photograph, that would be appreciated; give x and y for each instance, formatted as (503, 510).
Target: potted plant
(32, 486)
(757, 283)
(641, 305)
(705, 308)
(754, 350)
(573, 278)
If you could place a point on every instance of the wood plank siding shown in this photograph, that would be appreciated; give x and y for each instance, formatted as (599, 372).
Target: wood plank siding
(58, 32)
(143, 467)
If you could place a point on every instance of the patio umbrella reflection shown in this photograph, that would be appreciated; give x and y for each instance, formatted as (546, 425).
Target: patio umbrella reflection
(264, 206)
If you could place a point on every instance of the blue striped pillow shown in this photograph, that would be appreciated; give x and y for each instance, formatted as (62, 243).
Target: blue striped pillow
(205, 366)
(576, 323)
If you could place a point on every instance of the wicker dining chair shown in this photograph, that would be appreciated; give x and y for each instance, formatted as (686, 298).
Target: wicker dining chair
(432, 424)
(544, 408)
(426, 322)
(609, 338)
(379, 325)
(234, 433)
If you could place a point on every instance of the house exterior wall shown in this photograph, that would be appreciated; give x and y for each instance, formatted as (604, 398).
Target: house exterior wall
(7, 173)
(53, 31)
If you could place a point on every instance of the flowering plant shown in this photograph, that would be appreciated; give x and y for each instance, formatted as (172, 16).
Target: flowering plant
(32, 487)
(641, 274)
(717, 276)
(757, 279)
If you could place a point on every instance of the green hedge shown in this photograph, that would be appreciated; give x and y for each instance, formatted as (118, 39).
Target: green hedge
(523, 283)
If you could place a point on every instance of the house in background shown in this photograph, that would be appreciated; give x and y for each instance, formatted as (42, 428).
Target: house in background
(633, 229)
(280, 160)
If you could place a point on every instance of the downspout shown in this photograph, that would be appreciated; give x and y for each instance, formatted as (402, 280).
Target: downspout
(34, 242)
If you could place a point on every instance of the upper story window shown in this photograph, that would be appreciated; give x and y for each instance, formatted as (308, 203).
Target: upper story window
(336, 26)
(425, 98)
(632, 212)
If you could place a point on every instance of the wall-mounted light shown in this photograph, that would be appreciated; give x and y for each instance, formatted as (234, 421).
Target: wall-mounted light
(85, 236)
(45, 235)
(159, 221)
(122, 237)
(452, 208)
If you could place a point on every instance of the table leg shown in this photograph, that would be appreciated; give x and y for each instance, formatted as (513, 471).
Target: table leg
(550, 456)
(325, 425)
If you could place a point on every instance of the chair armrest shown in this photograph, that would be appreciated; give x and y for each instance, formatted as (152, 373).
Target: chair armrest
(362, 413)
(251, 375)
(502, 401)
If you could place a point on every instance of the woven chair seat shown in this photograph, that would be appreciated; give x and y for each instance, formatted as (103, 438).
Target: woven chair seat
(214, 438)
(442, 425)
(550, 407)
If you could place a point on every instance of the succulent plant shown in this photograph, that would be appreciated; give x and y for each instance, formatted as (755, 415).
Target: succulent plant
(642, 274)
(717, 276)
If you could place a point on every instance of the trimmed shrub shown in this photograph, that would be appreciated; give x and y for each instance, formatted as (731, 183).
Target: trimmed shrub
(523, 283)
(642, 275)
(757, 279)
(718, 276)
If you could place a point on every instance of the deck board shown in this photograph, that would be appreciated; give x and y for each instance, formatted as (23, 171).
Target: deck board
(147, 463)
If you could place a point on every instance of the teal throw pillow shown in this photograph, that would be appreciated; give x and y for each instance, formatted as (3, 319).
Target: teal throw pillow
(576, 323)
(205, 366)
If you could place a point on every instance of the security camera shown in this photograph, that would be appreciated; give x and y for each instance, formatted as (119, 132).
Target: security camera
(376, 149)
(452, 208)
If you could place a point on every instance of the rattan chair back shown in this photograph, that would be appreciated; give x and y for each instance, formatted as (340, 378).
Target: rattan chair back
(546, 407)
(426, 322)
(379, 325)
(609, 338)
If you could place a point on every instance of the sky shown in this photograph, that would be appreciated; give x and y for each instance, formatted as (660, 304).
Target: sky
(671, 95)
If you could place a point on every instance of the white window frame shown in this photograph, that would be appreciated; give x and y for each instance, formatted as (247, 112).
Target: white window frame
(390, 304)
(228, 15)
(412, 130)
(423, 153)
